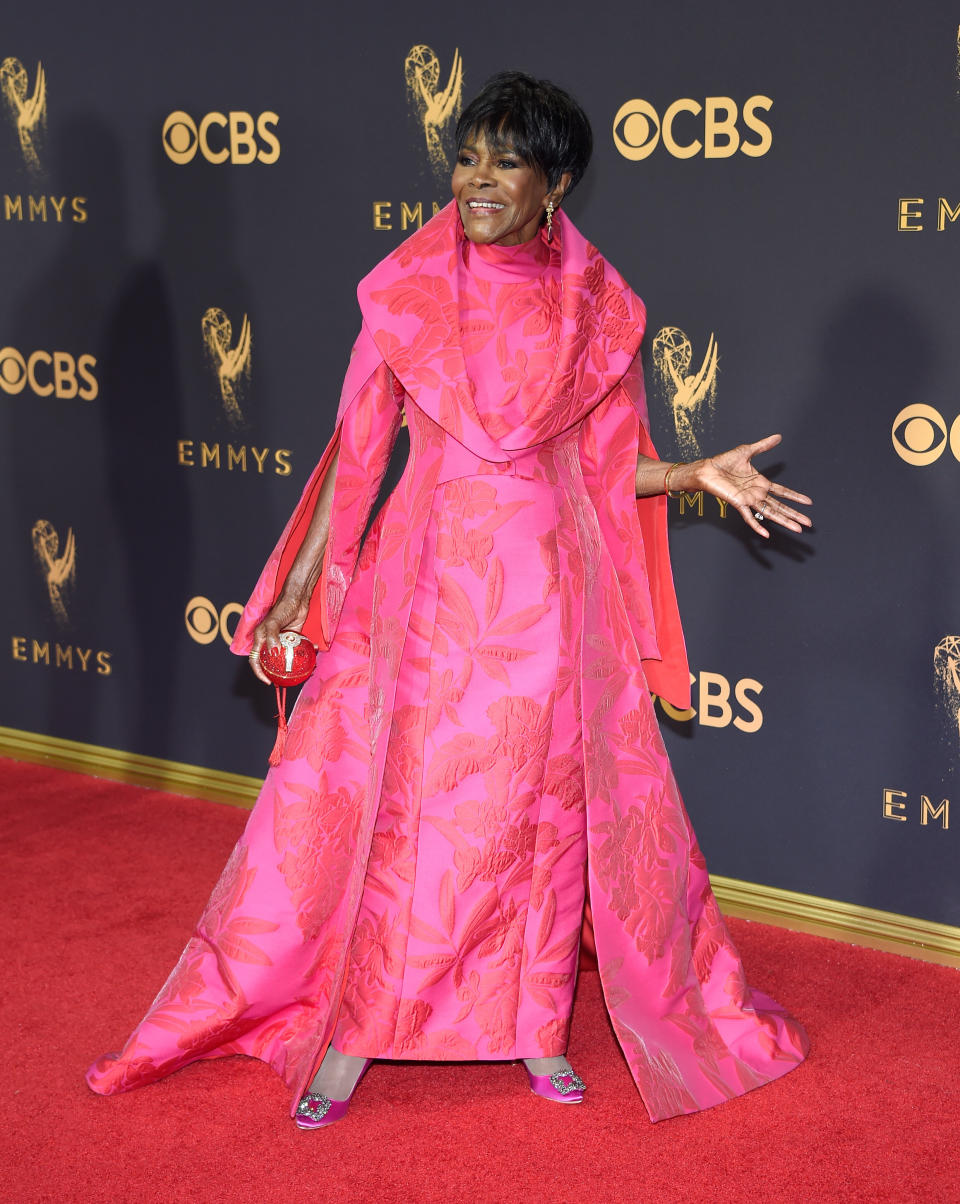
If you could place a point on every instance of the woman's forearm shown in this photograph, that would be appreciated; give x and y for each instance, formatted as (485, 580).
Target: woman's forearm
(305, 571)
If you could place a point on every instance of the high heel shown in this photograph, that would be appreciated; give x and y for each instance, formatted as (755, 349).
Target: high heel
(316, 1110)
(563, 1087)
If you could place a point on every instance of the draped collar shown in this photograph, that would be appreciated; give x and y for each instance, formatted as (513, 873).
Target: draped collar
(410, 306)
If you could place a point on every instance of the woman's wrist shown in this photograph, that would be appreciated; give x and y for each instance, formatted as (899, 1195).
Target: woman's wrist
(293, 600)
(669, 473)
(302, 581)
(657, 477)
(685, 476)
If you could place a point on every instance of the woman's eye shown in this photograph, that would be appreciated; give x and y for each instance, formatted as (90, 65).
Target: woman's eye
(506, 163)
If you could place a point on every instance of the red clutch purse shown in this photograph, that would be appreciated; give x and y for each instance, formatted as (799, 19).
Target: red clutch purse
(287, 663)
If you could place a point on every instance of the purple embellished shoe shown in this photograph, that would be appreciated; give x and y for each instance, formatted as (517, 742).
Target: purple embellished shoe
(316, 1110)
(564, 1087)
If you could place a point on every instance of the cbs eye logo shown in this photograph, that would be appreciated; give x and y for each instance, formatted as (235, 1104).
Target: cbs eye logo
(638, 128)
(219, 137)
(204, 622)
(920, 435)
(48, 373)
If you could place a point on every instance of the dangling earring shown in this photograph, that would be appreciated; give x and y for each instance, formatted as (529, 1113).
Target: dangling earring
(550, 208)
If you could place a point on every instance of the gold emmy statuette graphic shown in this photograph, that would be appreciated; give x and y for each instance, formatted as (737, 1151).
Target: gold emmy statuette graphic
(29, 113)
(60, 572)
(435, 109)
(958, 52)
(692, 395)
(232, 364)
(946, 665)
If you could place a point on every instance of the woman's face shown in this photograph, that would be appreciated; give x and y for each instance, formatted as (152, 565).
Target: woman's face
(500, 196)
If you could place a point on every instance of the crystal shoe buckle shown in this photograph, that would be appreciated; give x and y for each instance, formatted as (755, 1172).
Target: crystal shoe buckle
(313, 1105)
(566, 1081)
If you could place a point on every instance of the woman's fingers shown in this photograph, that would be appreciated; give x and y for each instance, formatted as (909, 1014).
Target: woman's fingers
(254, 658)
(774, 507)
(749, 516)
(773, 510)
(763, 445)
(786, 515)
(783, 491)
(265, 634)
(258, 670)
(786, 519)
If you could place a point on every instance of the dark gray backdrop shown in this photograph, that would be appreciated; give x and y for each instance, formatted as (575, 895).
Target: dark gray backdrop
(829, 322)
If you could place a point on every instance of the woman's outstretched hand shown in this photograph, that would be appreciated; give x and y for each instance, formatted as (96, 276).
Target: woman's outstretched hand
(286, 615)
(731, 477)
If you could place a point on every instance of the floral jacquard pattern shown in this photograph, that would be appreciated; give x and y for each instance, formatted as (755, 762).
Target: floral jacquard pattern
(478, 745)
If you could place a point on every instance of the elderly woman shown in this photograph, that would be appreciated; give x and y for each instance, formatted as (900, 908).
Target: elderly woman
(477, 751)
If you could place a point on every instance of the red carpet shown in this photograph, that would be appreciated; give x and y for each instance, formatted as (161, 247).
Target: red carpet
(102, 883)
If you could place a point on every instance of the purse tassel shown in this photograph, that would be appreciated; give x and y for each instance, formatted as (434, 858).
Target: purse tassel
(281, 742)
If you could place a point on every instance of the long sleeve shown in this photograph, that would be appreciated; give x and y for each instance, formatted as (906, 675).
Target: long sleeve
(635, 533)
(365, 435)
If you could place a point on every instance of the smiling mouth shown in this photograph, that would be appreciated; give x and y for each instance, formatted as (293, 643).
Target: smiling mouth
(484, 206)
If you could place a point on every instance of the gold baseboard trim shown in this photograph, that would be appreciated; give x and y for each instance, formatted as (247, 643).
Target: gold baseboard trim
(119, 766)
(884, 930)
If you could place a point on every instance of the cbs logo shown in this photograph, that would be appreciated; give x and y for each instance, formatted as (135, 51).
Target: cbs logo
(48, 373)
(221, 136)
(638, 128)
(712, 692)
(204, 622)
(920, 435)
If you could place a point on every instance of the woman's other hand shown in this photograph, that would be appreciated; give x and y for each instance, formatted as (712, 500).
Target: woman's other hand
(289, 612)
(287, 615)
(731, 477)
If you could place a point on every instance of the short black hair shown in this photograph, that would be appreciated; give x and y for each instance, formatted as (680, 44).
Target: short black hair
(543, 124)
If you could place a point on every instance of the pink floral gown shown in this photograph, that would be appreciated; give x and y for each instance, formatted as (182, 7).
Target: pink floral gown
(478, 743)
